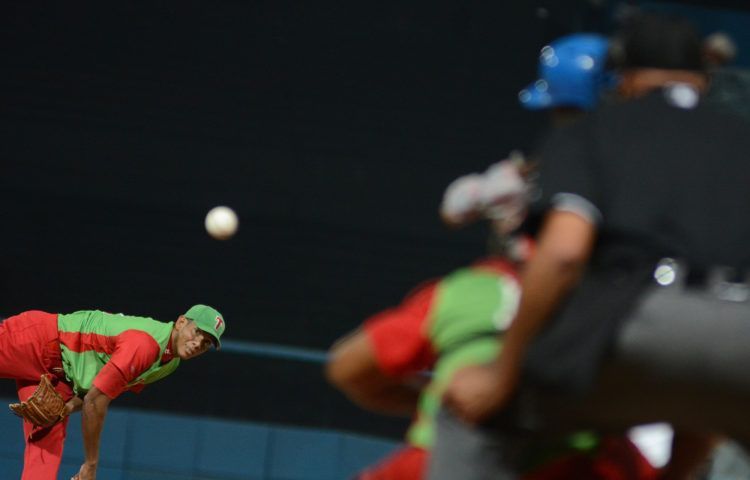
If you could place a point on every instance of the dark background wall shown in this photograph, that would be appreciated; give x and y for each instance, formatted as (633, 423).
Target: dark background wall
(331, 127)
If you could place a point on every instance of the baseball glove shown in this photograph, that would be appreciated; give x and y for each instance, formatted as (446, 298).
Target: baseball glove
(44, 408)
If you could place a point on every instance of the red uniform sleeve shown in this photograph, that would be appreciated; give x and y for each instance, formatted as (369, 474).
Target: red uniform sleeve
(137, 388)
(135, 352)
(400, 336)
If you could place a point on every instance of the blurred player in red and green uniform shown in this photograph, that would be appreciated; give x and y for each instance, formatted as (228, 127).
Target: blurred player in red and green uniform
(431, 329)
(93, 357)
(453, 322)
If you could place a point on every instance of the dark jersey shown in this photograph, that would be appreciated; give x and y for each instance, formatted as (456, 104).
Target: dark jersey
(662, 172)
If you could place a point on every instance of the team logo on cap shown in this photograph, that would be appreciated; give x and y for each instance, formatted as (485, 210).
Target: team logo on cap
(219, 323)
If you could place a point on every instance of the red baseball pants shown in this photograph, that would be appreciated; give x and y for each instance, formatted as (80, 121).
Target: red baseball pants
(29, 347)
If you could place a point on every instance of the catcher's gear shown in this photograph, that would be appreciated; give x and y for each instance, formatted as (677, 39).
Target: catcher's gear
(44, 408)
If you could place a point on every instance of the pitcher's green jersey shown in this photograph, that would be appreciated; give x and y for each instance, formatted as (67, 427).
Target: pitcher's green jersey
(114, 352)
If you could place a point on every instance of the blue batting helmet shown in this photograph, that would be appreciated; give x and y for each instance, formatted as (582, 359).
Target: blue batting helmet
(571, 73)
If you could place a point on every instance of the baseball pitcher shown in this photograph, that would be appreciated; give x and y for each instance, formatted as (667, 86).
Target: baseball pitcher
(64, 363)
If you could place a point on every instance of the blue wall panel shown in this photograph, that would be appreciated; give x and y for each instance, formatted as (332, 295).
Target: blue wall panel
(163, 443)
(232, 450)
(11, 431)
(69, 468)
(10, 468)
(298, 454)
(113, 446)
(358, 451)
(150, 446)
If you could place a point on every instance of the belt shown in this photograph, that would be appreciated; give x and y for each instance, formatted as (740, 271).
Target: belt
(726, 283)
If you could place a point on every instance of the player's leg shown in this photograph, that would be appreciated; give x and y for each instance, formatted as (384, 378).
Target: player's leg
(43, 446)
(680, 357)
(29, 345)
(689, 350)
(482, 453)
(29, 348)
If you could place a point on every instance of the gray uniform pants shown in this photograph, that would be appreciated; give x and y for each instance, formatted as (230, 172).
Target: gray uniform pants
(682, 357)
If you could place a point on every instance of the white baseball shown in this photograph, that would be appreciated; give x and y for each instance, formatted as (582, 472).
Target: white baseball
(221, 223)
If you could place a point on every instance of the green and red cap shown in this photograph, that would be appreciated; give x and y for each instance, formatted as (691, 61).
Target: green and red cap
(209, 320)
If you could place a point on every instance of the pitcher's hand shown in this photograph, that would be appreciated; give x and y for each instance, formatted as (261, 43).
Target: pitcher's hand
(87, 472)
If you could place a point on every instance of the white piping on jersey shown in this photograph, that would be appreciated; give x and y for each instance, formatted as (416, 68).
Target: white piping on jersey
(510, 297)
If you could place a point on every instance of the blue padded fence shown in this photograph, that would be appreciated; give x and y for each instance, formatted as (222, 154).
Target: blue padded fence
(140, 445)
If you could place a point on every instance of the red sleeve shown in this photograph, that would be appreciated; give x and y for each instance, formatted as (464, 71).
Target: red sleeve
(399, 335)
(137, 388)
(135, 352)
